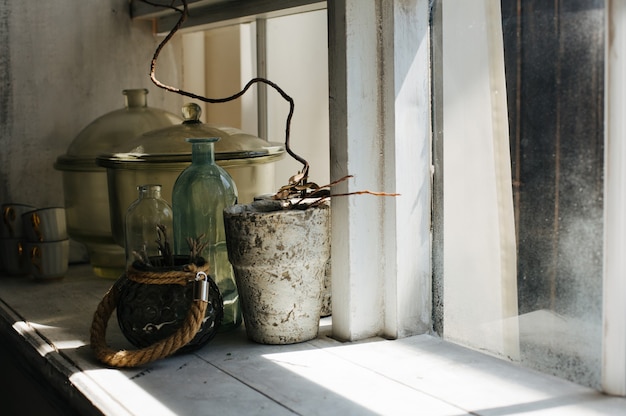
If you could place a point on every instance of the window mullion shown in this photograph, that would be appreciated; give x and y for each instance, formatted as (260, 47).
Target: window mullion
(261, 71)
(380, 133)
(614, 327)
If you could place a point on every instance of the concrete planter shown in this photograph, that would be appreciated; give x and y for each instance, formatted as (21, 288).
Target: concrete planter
(279, 259)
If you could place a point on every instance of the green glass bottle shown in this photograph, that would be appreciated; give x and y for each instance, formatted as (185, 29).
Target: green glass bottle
(200, 194)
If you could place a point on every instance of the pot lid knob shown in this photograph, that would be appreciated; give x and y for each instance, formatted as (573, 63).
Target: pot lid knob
(191, 113)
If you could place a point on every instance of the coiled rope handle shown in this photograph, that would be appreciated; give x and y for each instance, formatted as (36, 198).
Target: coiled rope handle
(161, 349)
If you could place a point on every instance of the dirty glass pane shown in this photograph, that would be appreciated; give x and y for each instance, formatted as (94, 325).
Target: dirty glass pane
(544, 309)
(555, 64)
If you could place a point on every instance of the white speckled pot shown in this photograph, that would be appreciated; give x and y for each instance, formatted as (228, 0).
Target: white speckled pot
(279, 259)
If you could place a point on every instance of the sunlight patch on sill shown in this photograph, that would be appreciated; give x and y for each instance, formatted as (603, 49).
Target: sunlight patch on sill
(29, 332)
(357, 384)
(59, 345)
(32, 330)
(119, 391)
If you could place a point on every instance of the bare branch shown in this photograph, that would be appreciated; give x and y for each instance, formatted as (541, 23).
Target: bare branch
(183, 16)
(366, 192)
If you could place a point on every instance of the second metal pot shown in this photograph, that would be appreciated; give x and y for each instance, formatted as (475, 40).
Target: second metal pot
(159, 156)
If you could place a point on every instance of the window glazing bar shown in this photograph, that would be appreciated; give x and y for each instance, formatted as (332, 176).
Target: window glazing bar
(261, 71)
(207, 14)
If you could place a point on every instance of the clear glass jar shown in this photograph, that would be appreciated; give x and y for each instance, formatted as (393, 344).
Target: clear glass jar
(148, 230)
(200, 194)
(85, 183)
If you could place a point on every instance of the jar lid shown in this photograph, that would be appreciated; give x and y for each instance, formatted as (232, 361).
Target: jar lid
(112, 130)
(169, 146)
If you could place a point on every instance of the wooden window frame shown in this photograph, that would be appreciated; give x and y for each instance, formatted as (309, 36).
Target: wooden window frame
(381, 131)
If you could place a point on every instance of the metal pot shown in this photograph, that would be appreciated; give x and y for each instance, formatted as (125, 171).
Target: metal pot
(85, 183)
(159, 156)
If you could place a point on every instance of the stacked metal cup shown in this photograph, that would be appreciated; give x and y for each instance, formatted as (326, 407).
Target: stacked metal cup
(12, 255)
(46, 243)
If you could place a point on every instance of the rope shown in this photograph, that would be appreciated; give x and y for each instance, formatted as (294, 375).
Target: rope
(161, 349)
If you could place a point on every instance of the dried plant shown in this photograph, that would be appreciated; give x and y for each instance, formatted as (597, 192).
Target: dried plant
(196, 247)
(164, 246)
(142, 257)
(165, 257)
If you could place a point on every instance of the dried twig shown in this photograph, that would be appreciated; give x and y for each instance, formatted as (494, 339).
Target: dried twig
(196, 247)
(142, 257)
(322, 193)
(164, 245)
(183, 16)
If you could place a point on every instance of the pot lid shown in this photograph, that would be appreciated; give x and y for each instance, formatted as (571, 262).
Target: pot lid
(113, 129)
(169, 145)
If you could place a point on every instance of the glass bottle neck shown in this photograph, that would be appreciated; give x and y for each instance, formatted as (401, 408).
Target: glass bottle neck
(202, 153)
(149, 191)
(136, 98)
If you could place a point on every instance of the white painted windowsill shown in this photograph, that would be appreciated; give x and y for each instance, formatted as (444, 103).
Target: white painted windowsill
(420, 375)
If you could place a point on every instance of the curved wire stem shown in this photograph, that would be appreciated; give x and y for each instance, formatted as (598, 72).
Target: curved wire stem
(183, 16)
